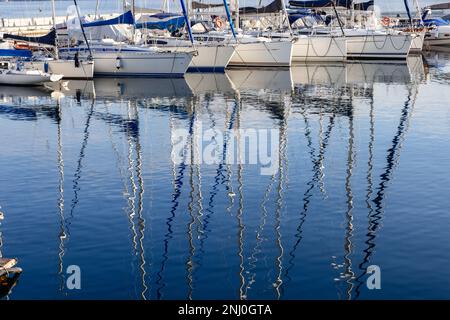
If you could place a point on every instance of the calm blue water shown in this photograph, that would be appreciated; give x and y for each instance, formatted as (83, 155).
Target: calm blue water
(86, 179)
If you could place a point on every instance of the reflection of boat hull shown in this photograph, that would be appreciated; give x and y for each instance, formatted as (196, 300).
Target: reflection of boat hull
(328, 74)
(260, 79)
(24, 91)
(368, 72)
(140, 88)
(358, 72)
(378, 46)
(319, 48)
(67, 68)
(201, 83)
(263, 54)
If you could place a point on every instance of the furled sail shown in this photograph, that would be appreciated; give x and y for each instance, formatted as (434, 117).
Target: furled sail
(126, 18)
(15, 53)
(48, 39)
(440, 6)
(349, 4)
(201, 5)
(273, 7)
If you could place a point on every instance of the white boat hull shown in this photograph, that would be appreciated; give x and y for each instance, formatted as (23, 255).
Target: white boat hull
(263, 54)
(438, 37)
(137, 62)
(417, 42)
(209, 58)
(164, 64)
(67, 68)
(378, 46)
(434, 41)
(319, 48)
(26, 78)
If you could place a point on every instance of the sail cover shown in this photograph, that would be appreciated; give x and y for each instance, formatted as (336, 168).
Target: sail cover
(162, 21)
(200, 5)
(440, 6)
(273, 7)
(49, 39)
(126, 18)
(15, 53)
(349, 4)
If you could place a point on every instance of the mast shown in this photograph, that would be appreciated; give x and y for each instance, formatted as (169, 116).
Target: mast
(337, 17)
(96, 8)
(54, 27)
(227, 10)
(187, 20)
(82, 28)
(408, 12)
(286, 15)
(133, 9)
(236, 13)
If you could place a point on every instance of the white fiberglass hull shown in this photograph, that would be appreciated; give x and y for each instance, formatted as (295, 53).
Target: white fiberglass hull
(263, 54)
(417, 42)
(67, 68)
(26, 78)
(319, 48)
(440, 36)
(122, 61)
(209, 58)
(378, 46)
(437, 41)
(164, 64)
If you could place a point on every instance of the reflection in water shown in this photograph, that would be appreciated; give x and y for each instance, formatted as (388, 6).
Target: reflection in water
(178, 184)
(392, 158)
(281, 188)
(348, 274)
(216, 203)
(62, 218)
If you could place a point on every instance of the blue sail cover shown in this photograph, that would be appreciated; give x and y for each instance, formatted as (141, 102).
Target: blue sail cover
(49, 39)
(299, 14)
(163, 21)
(126, 18)
(435, 22)
(15, 53)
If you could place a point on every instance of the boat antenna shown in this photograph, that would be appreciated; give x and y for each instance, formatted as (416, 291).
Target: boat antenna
(82, 29)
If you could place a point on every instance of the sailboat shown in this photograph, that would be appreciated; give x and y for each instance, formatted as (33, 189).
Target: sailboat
(310, 47)
(119, 58)
(362, 43)
(13, 73)
(210, 57)
(251, 50)
(70, 68)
